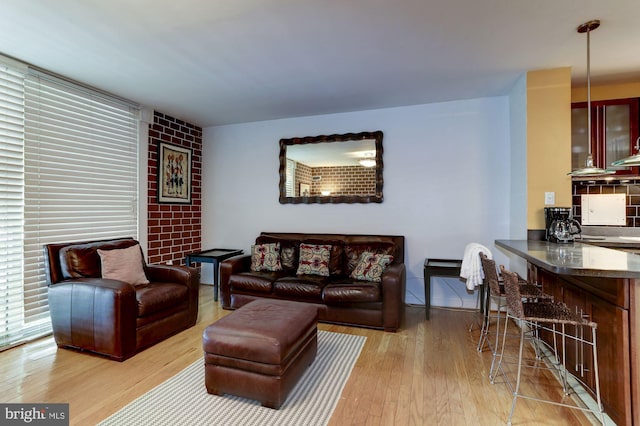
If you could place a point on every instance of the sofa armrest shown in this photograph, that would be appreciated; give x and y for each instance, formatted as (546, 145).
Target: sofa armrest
(393, 290)
(228, 267)
(95, 314)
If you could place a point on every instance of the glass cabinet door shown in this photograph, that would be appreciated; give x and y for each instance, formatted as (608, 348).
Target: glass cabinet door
(579, 138)
(614, 130)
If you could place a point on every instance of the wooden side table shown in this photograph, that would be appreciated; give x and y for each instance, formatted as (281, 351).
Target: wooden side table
(438, 268)
(213, 256)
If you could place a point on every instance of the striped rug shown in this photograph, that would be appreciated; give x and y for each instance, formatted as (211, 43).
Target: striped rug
(183, 399)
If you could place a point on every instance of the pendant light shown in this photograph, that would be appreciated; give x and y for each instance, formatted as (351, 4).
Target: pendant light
(589, 169)
(369, 160)
(633, 160)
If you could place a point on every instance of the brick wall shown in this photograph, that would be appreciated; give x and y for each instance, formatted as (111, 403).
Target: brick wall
(303, 175)
(629, 187)
(344, 180)
(174, 229)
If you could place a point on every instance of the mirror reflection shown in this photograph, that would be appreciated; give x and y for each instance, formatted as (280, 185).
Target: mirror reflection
(331, 169)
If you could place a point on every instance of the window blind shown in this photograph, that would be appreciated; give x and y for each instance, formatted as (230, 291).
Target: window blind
(80, 178)
(290, 177)
(11, 203)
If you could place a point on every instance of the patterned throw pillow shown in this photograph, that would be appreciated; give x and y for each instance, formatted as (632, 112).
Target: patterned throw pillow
(265, 257)
(314, 259)
(371, 266)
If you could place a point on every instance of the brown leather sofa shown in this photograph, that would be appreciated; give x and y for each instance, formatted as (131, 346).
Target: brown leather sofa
(112, 317)
(339, 298)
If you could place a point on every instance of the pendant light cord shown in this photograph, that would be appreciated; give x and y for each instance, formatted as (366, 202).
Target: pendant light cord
(589, 92)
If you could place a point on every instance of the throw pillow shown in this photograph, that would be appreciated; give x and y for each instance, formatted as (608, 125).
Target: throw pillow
(335, 254)
(353, 251)
(314, 259)
(123, 264)
(265, 257)
(371, 266)
(288, 250)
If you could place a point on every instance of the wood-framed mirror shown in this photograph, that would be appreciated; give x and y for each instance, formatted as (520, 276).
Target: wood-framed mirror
(344, 168)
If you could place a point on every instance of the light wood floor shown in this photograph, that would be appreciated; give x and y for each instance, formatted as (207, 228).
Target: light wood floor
(429, 373)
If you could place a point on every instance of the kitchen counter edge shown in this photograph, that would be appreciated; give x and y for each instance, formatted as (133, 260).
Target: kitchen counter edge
(546, 255)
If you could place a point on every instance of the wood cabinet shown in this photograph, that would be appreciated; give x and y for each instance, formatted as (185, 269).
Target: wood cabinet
(614, 131)
(606, 302)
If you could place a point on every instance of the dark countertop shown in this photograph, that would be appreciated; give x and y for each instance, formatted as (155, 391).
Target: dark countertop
(577, 258)
(622, 237)
(610, 241)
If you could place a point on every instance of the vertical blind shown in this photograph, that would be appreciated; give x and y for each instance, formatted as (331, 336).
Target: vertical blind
(11, 202)
(290, 178)
(80, 182)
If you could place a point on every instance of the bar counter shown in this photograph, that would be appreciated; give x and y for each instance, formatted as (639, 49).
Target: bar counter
(579, 259)
(601, 284)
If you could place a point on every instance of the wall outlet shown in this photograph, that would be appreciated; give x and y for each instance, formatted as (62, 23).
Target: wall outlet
(549, 198)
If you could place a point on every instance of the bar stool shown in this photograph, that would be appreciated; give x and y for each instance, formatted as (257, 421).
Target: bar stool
(547, 315)
(496, 292)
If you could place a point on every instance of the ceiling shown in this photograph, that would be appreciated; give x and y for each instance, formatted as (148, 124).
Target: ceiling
(328, 154)
(232, 61)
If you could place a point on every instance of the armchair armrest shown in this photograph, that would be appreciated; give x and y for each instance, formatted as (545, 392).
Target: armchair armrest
(95, 314)
(172, 273)
(393, 290)
(228, 267)
(185, 275)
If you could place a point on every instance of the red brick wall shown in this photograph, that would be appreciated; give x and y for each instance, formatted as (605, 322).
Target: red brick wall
(303, 175)
(174, 229)
(344, 180)
(340, 180)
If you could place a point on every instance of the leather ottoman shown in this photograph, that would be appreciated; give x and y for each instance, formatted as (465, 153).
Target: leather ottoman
(261, 350)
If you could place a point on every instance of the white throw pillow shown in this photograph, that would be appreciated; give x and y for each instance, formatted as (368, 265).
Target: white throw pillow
(124, 264)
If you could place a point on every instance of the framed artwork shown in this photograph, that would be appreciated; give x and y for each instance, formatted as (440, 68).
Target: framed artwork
(305, 190)
(174, 174)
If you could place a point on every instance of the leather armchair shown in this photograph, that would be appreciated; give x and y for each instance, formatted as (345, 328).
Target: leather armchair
(111, 317)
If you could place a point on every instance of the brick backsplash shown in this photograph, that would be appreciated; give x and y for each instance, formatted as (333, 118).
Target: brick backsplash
(174, 229)
(629, 187)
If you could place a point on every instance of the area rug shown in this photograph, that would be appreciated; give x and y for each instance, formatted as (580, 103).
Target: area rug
(183, 399)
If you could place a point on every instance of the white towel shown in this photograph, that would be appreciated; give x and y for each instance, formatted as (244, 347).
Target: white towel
(471, 268)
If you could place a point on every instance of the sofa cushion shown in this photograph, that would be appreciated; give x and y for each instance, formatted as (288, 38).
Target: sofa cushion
(336, 258)
(83, 261)
(353, 251)
(288, 250)
(301, 287)
(314, 259)
(371, 266)
(124, 265)
(358, 292)
(265, 257)
(258, 282)
(155, 297)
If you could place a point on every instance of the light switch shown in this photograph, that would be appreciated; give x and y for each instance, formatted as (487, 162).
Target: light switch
(549, 198)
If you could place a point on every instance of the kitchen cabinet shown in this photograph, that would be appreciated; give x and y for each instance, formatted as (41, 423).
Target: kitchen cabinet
(614, 131)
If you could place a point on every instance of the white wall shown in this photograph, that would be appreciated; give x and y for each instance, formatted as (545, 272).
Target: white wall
(446, 183)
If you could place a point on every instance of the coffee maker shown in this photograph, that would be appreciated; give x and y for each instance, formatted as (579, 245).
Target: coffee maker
(560, 227)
